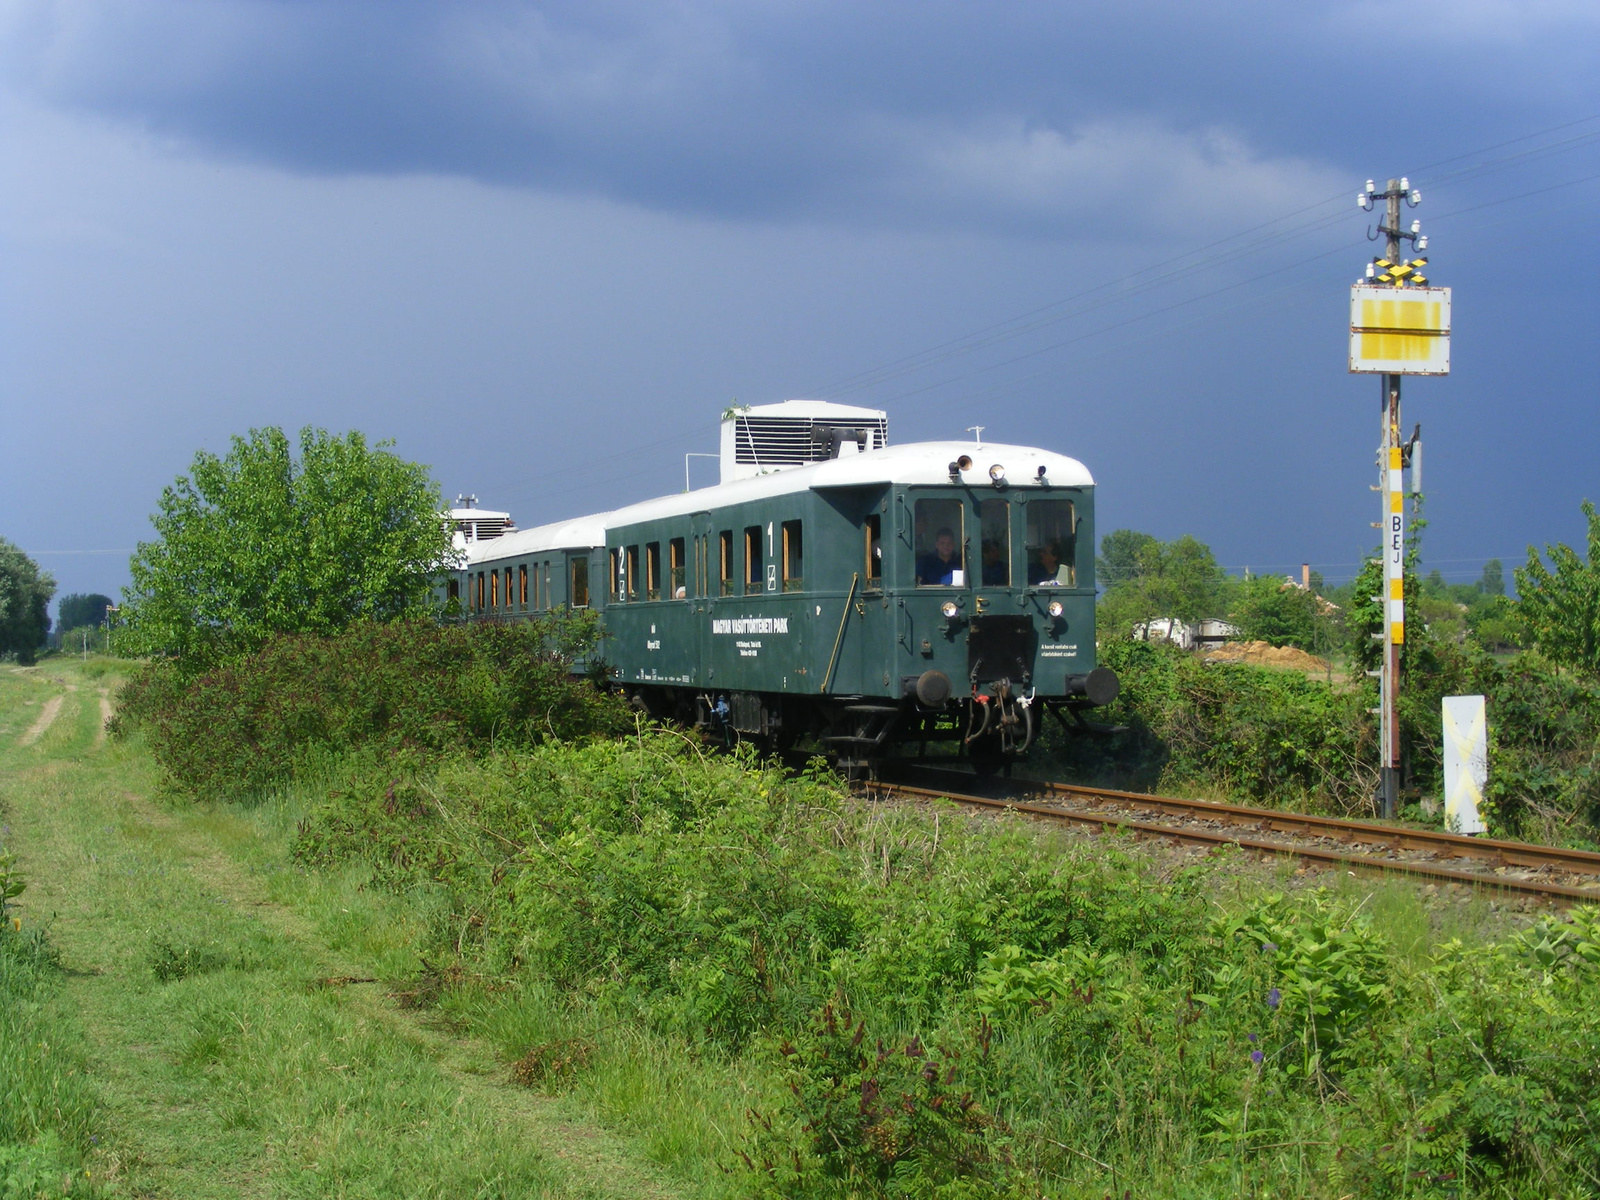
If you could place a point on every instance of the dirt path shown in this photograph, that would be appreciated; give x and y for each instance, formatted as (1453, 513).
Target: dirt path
(105, 715)
(47, 717)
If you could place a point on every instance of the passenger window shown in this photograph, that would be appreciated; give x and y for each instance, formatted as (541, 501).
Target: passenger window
(580, 583)
(454, 592)
(793, 557)
(652, 571)
(619, 587)
(478, 606)
(632, 572)
(728, 578)
(1052, 543)
(940, 544)
(494, 589)
(994, 522)
(522, 587)
(675, 569)
(753, 582)
(874, 547)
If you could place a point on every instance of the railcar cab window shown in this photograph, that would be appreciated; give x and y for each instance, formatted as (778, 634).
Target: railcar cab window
(994, 519)
(652, 571)
(754, 582)
(939, 542)
(873, 531)
(725, 556)
(1052, 543)
(580, 583)
(793, 557)
(675, 569)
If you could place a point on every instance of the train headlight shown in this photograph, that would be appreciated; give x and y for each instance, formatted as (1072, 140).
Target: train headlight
(997, 475)
(950, 609)
(1055, 609)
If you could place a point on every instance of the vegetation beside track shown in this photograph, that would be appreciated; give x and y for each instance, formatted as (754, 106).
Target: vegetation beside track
(1282, 739)
(777, 990)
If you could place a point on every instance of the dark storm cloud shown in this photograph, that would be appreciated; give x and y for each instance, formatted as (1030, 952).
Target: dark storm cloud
(1021, 117)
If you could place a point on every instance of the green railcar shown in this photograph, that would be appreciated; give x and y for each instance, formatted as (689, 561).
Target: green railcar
(931, 592)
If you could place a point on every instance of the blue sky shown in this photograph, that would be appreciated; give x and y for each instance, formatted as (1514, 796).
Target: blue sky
(541, 246)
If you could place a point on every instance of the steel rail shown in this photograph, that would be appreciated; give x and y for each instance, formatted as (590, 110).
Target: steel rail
(1552, 857)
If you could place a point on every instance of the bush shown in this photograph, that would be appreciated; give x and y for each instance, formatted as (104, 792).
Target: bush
(255, 721)
(1259, 735)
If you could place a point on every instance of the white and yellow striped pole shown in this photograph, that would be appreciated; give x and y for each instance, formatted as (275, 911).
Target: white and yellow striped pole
(1394, 594)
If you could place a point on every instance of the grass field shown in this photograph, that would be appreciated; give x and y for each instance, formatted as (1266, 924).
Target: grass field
(223, 1019)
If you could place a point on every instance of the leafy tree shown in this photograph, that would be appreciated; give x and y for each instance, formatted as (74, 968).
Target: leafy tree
(1493, 582)
(78, 609)
(1560, 608)
(1271, 609)
(1127, 555)
(1145, 578)
(25, 593)
(261, 542)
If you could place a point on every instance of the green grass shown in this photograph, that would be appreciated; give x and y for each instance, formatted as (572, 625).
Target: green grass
(218, 1045)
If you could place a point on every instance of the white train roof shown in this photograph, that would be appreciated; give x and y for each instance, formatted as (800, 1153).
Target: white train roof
(916, 463)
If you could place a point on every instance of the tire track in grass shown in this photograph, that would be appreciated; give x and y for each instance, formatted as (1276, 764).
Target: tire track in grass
(47, 718)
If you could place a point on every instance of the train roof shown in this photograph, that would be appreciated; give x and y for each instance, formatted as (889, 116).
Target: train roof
(912, 464)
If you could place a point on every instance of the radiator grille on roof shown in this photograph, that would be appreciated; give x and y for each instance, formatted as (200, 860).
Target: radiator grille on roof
(787, 442)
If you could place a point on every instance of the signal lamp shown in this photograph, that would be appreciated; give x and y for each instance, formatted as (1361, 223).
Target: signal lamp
(997, 475)
(1055, 609)
(950, 609)
(1039, 475)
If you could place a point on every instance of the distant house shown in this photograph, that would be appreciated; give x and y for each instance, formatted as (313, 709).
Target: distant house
(1210, 631)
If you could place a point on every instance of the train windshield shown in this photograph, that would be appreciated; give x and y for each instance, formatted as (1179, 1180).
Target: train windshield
(940, 544)
(994, 519)
(1052, 543)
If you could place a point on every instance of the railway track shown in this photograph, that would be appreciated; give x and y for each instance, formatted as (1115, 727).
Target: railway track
(1565, 876)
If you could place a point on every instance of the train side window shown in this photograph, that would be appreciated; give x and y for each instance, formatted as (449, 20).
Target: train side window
(494, 589)
(725, 545)
(454, 590)
(478, 606)
(994, 523)
(940, 543)
(652, 571)
(675, 569)
(633, 572)
(873, 530)
(580, 583)
(618, 587)
(754, 583)
(793, 557)
(1052, 543)
(522, 587)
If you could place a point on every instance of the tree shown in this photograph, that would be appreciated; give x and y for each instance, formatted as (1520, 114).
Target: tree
(259, 542)
(1560, 609)
(1273, 610)
(77, 609)
(25, 593)
(1493, 582)
(1145, 578)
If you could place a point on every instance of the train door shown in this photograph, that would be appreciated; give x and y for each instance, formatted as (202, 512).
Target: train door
(702, 587)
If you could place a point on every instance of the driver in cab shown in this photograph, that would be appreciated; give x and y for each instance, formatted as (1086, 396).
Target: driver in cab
(940, 564)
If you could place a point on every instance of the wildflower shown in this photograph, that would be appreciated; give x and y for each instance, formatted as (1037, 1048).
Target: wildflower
(1253, 1037)
(1268, 947)
(1274, 998)
(1256, 1057)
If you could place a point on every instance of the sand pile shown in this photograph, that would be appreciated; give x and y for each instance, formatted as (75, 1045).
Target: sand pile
(1264, 654)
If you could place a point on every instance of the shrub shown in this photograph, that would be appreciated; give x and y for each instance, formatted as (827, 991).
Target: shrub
(254, 721)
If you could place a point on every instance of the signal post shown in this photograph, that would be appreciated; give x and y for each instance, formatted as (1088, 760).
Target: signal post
(1398, 326)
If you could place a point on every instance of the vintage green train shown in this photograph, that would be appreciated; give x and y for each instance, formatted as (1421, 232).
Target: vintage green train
(860, 596)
